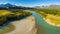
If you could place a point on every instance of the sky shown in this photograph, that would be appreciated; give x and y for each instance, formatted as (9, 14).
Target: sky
(30, 2)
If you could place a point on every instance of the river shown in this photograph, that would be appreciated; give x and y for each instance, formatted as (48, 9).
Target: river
(43, 27)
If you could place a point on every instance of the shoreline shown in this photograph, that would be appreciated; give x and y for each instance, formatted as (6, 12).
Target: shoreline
(50, 23)
(25, 26)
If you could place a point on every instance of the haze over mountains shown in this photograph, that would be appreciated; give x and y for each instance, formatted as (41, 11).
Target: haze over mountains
(8, 5)
(48, 6)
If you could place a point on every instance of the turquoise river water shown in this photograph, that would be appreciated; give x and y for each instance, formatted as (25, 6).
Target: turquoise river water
(43, 27)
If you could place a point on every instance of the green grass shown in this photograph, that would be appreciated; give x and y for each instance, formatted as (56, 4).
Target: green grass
(54, 19)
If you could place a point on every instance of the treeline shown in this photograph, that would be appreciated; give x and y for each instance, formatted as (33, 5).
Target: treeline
(51, 11)
(17, 8)
(40, 12)
(13, 15)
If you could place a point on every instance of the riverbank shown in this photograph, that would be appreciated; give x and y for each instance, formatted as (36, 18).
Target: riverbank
(50, 23)
(53, 20)
(24, 26)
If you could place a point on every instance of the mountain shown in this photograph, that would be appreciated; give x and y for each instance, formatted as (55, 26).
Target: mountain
(10, 6)
(48, 6)
(6, 5)
(54, 6)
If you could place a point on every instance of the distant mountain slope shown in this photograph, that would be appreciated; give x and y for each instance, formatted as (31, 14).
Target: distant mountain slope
(10, 6)
(48, 6)
(6, 5)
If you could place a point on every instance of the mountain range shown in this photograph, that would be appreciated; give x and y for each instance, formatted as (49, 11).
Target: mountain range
(48, 6)
(10, 6)
(7, 5)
